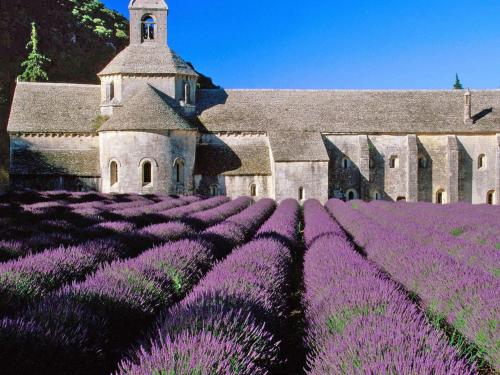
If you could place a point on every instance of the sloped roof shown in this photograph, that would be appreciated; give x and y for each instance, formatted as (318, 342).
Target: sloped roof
(55, 162)
(347, 111)
(233, 160)
(297, 146)
(54, 108)
(148, 59)
(147, 109)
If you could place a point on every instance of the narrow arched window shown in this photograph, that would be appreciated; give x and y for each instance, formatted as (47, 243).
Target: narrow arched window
(148, 28)
(147, 173)
(301, 193)
(351, 195)
(179, 171)
(346, 163)
(490, 197)
(113, 173)
(376, 196)
(394, 162)
(253, 190)
(441, 197)
(214, 190)
(481, 161)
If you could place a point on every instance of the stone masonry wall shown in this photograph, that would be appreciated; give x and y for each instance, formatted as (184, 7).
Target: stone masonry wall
(412, 174)
(475, 182)
(311, 176)
(391, 182)
(340, 179)
(433, 177)
(131, 149)
(452, 154)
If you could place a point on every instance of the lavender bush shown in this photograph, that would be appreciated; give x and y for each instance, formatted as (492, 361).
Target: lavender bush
(35, 276)
(123, 298)
(451, 292)
(238, 303)
(359, 322)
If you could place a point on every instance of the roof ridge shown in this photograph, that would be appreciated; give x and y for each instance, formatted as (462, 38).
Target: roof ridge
(354, 90)
(56, 84)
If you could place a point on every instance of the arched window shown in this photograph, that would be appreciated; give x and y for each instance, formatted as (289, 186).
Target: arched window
(422, 162)
(147, 173)
(376, 196)
(253, 190)
(394, 162)
(302, 194)
(113, 173)
(441, 197)
(351, 195)
(346, 163)
(481, 161)
(179, 171)
(490, 197)
(214, 190)
(148, 27)
(401, 199)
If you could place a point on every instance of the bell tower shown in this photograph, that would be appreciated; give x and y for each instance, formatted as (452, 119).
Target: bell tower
(148, 22)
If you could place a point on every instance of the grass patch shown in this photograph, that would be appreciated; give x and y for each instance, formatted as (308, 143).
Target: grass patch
(337, 322)
(472, 352)
(355, 206)
(457, 231)
(99, 121)
(498, 246)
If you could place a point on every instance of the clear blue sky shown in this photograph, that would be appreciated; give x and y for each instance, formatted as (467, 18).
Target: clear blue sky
(324, 44)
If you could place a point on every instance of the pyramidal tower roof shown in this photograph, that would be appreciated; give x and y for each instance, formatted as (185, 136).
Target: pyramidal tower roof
(147, 109)
(147, 4)
(146, 59)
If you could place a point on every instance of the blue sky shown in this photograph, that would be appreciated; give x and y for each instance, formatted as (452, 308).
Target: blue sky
(327, 44)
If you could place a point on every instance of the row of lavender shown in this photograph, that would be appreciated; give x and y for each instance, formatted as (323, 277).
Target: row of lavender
(34, 227)
(232, 321)
(471, 234)
(360, 322)
(451, 291)
(33, 277)
(85, 327)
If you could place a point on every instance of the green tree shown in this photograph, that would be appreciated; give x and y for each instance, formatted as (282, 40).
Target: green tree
(458, 85)
(33, 65)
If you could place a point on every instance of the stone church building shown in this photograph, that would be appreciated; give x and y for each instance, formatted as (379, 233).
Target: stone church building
(147, 128)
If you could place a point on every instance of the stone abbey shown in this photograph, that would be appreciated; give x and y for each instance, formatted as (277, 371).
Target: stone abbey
(148, 128)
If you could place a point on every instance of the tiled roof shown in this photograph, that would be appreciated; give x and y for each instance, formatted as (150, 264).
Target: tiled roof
(147, 109)
(148, 59)
(362, 112)
(297, 146)
(234, 160)
(54, 108)
(55, 162)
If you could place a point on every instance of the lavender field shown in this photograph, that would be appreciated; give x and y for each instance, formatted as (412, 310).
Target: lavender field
(127, 284)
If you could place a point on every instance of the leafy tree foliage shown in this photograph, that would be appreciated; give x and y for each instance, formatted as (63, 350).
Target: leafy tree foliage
(35, 62)
(80, 36)
(458, 85)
